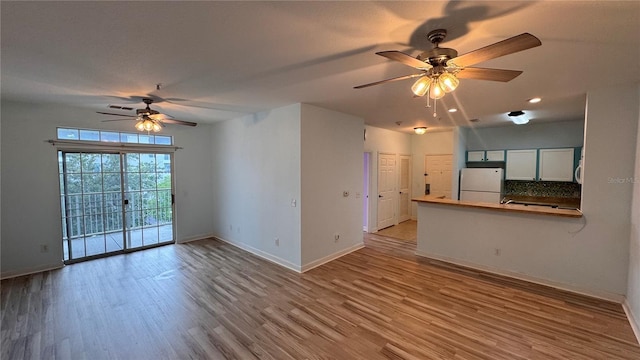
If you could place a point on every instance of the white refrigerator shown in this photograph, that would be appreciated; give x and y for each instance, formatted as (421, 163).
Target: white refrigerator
(482, 184)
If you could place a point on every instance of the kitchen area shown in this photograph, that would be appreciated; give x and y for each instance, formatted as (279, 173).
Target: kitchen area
(582, 244)
(533, 165)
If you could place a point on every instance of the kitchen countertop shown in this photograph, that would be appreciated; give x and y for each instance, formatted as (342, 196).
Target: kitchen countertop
(530, 209)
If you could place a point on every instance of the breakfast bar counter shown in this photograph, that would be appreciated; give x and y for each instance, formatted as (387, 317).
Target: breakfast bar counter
(518, 208)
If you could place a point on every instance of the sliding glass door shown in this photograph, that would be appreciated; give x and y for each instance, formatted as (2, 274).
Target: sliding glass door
(114, 202)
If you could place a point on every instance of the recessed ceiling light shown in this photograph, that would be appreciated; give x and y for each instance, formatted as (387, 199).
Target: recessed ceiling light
(534, 100)
(452, 110)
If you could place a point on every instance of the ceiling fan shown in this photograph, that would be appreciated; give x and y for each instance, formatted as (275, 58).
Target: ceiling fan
(440, 68)
(147, 118)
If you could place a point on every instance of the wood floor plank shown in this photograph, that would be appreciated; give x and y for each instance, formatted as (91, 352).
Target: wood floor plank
(209, 300)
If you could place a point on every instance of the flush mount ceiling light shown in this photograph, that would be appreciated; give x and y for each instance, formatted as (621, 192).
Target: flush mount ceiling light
(452, 110)
(420, 130)
(518, 117)
(534, 100)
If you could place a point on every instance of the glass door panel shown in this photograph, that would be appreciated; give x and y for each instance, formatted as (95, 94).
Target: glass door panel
(89, 192)
(148, 199)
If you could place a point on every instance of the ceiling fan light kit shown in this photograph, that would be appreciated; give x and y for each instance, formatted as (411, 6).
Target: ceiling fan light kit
(442, 67)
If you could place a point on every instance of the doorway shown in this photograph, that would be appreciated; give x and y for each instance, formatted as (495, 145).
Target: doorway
(438, 172)
(365, 192)
(113, 202)
(386, 190)
(404, 183)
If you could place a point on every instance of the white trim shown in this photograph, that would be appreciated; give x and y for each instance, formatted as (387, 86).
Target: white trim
(603, 295)
(262, 254)
(332, 257)
(82, 145)
(633, 320)
(37, 269)
(195, 238)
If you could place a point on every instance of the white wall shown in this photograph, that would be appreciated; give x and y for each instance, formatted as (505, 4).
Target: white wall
(331, 163)
(431, 143)
(256, 176)
(590, 254)
(633, 283)
(30, 194)
(382, 141)
(531, 135)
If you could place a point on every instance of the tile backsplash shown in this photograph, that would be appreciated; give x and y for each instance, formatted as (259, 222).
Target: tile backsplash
(542, 189)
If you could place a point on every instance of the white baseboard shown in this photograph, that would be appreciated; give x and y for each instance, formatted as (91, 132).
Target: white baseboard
(265, 255)
(195, 238)
(12, 274)
(331, 257)
(574, 289)
(633, 319)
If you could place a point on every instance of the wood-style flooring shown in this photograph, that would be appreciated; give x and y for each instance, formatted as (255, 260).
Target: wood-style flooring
(406, 230)
(209, 300)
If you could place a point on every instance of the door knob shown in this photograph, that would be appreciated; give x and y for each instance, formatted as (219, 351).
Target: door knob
(379, 196)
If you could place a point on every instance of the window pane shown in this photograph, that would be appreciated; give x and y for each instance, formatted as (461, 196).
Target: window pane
(163, 163)
(163, 140)
(73, 162)
(74, 183)
(129, 138)
(91, 163)
(133, 162)
(91, 183)
(109, 136)
(148, 181)
(111, 163)
(164, 181)
(90, 135)
(146, 139)
(111, 181)
(147, 162)
(149, 200)
(132, 181)
(67, 134)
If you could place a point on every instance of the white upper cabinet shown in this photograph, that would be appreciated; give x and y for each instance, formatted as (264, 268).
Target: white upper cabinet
(556, 164)
(475, 155)
(495, 155)
(521, 164)
(489, 155)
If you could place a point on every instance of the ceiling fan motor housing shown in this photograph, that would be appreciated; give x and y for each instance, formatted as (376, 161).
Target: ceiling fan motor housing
(438, 56)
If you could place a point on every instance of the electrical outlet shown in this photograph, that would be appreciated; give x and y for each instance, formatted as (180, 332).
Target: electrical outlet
(336, 237)
(277, 241)
(293, 203)
(44, 248)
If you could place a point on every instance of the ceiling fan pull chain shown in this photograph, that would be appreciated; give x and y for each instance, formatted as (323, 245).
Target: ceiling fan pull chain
(435, 105)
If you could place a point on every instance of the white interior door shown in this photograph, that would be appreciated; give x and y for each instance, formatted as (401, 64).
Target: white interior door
(386, 190)
(439, 169)
(404, 199)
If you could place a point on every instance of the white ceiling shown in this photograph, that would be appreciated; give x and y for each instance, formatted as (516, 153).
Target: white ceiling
(219, 60)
